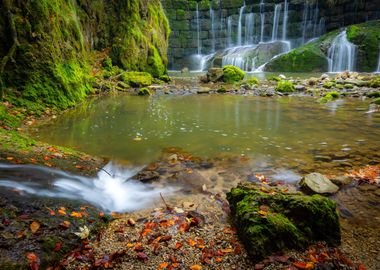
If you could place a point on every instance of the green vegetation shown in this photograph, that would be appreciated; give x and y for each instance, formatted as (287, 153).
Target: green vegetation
(165, 78)
(375, 82)
(232, 74)
(221, 89)
(376, 101)
(252, 81)
(144, 92)
(271, 221)
(285, 87)
(329, 85)
(329, 96)
(373, 94)
(137, 79)
(274, 78)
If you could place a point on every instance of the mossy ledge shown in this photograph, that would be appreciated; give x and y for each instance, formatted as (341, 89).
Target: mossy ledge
(270, 220)
(46, 46)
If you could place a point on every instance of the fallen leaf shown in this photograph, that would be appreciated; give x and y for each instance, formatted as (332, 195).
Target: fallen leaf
(196, 267)
(178, 245)
(34, 226)
(57, 247)
(65, 225)
(163, 265)
(218, 259)
(131, 222)
(62, 212)
(227, 250)
(76, 214)
(83, 233)
(139, 247)
(191, 242)
(142, 256)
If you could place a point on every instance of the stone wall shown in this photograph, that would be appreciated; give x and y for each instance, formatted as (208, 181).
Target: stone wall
(208, 31)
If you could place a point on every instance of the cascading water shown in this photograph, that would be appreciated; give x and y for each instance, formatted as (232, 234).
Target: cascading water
(341, 54)
(378, 64)
(285, 20)
(249, 28)
(113, 189)
(229, 31)
(239, 32)
(262, 20)
(276, 20)
(212, 16)
(198, 31)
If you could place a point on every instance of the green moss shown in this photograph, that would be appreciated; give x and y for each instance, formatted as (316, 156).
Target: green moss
(373, 94)
(137, 79)
(274, 78)
(232, 74)
(329, 85)
(376, 101)
(348, 86)
(165, 78)
(252, 81)
(221, 89)
(375, 82)
(285, 87)
(107, 64)
(9, 120)
(367, 37)
(269, 223)
(144, 92)
(329, 96)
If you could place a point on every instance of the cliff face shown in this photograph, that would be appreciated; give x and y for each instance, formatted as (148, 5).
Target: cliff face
(207, 26)
(45, 45)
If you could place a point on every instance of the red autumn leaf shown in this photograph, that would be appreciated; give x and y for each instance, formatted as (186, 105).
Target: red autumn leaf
(361, 267)
(184, 227)
(156, 248)
(57, 247)
(150, 225)
(165, 238)
(142, 256)
(33, 260)
(163, 265)
(139, 247)
(178, 245)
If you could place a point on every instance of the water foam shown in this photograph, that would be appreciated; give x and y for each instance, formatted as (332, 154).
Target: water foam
(113, 189)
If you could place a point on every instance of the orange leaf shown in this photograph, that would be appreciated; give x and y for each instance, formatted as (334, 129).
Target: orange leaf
(218, 259)
(65, 225)
(62, 212)
(263, 213)
(196, 267)
(31, 257)
(361, 267)
(34, 226)
(227, 250)
(178, 245)
(145, 232)
(101, 214)
(302, 265)
(191, 242)
(10, 158)
(163, 265)
(76, 214)
(130, 245)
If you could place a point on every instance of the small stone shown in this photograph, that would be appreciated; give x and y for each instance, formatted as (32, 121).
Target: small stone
(300, 87)
(318, 183)
(342, 180)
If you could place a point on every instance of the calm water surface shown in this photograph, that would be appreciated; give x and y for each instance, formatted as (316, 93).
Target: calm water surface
(287, 130)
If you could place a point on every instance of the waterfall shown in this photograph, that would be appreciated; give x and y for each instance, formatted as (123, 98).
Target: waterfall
(239, 24)
(229, 31)
(285, 20)
(249, 26)
(378, 64)
(342, 54)
(237, 56)
(262, 20)
(198, 30)
(276, 19)
(212, 29)
(315, 19)
(304, 21)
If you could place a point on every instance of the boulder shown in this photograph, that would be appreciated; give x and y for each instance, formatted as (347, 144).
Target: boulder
(300, 87)
(215, 74)
(318, 183)
(270, 219)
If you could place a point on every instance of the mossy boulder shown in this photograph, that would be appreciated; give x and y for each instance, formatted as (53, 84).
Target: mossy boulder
(165, 78)
(376, 101)
(144, 92)
(329, 96)
(232, 74)
(252, 81)
(137, 79)
(269, 220)
(285, 87)
(375, 82)
(373, 94)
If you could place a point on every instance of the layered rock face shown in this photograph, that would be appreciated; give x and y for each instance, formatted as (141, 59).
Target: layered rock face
(46, 46)
(204, 27)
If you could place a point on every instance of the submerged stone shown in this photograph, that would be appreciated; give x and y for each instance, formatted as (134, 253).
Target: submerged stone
(318, 183)
(269, 220)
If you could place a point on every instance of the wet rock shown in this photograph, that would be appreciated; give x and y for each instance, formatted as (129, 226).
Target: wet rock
(273, 220)
(324, 76)
(215, 74)
(300, 87)
(342, 180)
(147, 176)
(185, 70)
(318, 183)
(203, 90)
(322, 158)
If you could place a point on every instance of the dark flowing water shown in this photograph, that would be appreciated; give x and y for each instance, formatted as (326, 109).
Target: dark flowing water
(293, 132)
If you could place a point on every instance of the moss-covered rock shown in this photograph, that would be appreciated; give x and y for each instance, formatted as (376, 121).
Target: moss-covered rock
(165, 78)
(144, 92)
(375, 82)
(285, 87)
(376, 101)
(329, 96)
(137, 79)
(252, 81)
(270, 220)
(46, 46)
(232, 74)
(373, 94)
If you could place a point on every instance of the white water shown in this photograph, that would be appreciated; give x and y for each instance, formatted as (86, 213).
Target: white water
(285, 20)
(229, 31)
(262, 20)
(378, 64)
(276, 20)
(212, 16)
(237, 56)
(240, 25)
(341, 54)
(199, 45)
(249, 28)
(115, 191)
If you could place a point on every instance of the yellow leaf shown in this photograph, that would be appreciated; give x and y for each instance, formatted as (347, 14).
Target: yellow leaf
(76, 214)
(61, 212)
(263, 213)
(34, 226)
(196, 267)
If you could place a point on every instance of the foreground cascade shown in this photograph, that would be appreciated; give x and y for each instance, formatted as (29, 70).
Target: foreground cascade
(270, 219)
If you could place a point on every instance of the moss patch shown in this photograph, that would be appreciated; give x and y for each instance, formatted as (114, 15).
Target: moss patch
(138, 79)
(232, 74)
(285, 87)
(271, 221)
